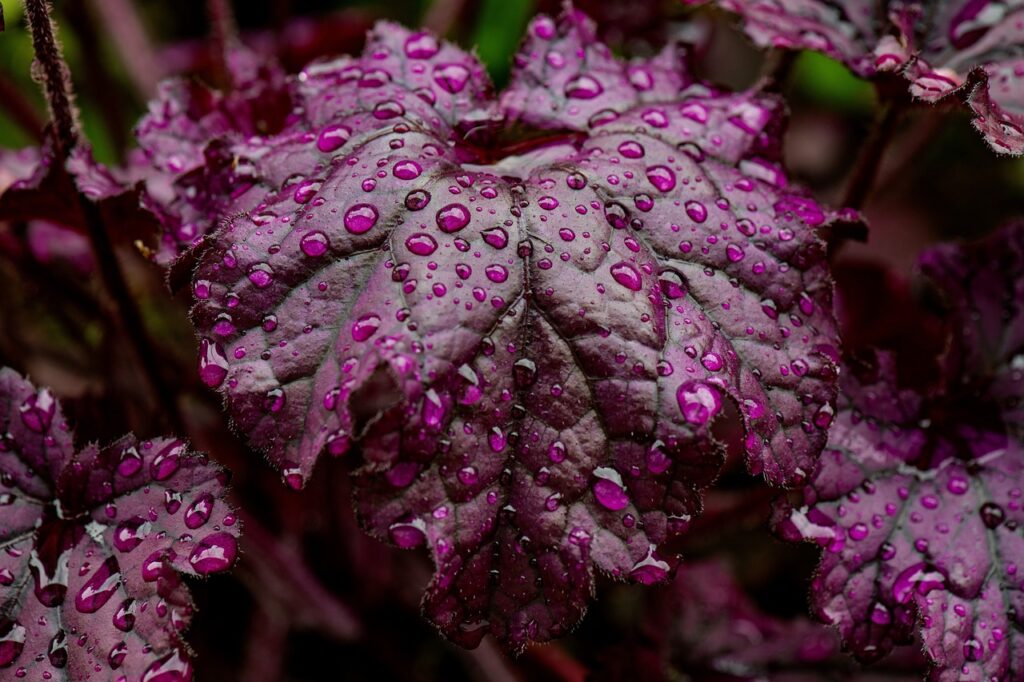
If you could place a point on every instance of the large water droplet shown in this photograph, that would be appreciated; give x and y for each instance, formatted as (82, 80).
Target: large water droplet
(662, 177)
(214, 553)
(698, 402)
(583, 87)
(451, 77)
(99, 588)
(421, 244)
(452, 218)
(608, 489)
(627, 275)
(314, 244)
(360, 218)
(365, 327)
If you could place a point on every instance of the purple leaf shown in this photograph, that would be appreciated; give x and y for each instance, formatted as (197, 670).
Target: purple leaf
(34, 185)
(984, 285)
(94, 542)
(917, 504)
(704, 625)
(969, 48)
(530, 346)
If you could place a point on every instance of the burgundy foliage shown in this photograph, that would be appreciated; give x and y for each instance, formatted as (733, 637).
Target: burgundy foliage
(917, 498)
(528, 342)
(94, 541)
(970, 49)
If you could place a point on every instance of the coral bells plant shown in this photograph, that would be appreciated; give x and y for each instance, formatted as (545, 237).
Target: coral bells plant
(610, 335)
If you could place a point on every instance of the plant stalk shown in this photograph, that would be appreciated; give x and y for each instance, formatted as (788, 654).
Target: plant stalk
(56, 81)
(865, 170)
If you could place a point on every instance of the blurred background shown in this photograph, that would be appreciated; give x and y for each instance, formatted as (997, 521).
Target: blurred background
(314, 598)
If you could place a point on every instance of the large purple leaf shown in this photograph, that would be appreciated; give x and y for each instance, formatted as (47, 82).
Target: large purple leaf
(94, 541)
(530, 348)
(971, 48)
(917, 503)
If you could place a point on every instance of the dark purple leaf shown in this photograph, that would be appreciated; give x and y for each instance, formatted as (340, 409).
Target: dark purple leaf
(970, 48)
(94, 543)
(704, 626)
(917, 504)
(529, 346)
(190, 183)
(34, 185)
(984, 285)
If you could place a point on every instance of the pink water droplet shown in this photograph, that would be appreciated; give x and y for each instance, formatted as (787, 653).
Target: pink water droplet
(451, 77)
(734, 252)
(921, 578)
(496, 273)
(99, 588)
(332, 137)
(421, 46)
(452, 218)
(314, 244)
(576, 181)
(198, 513)
(214, 553)
(213, 364)
(262, 275)
(433, 409)
(407, 535)
(712, 362)
(697, 212)
(627, 275)
(360, 218)
(496, 237)
(417, 199)
(365, 327)
(407, 170)
(167, 461)
(650, 569)
(38, 410)
(173, 667)
(662, 177)
(698, 402)
(583, 87)
(608, 489)
(421, 243)
(631, 149)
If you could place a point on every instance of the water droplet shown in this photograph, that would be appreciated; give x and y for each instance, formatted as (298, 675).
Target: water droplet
(627, 275)
(433, 409)
(332, 137)
(417, 199)
(583, 87)
(360, 218)
(365, 327)
(496, 273)
(409, 534)
(421, 46)
(650, 569)
(215, 552)
(608, 489)
(662, 177)
(451, 77)
(452, 218)
(698, 402)
(173, 667)
(198, 513)
(407, 170)
(99, 588)
(631, 149)
(921, 578)
(314, 244)
(37, 411)
(261, 274)
(421, 243)
(213, 364)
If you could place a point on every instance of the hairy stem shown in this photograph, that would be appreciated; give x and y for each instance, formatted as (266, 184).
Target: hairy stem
(54, 74)
(51, 71)
(865, 170)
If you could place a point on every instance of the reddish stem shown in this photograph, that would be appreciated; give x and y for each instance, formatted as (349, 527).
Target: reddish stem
(52, 73)
(865, 170)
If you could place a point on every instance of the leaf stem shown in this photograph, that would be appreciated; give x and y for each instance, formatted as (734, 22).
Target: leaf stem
(223, 35)
(56, 82)
(865, 169)
(51, 71)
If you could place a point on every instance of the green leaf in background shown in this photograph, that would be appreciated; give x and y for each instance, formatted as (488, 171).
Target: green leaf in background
(499, 27)
(821, 79)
